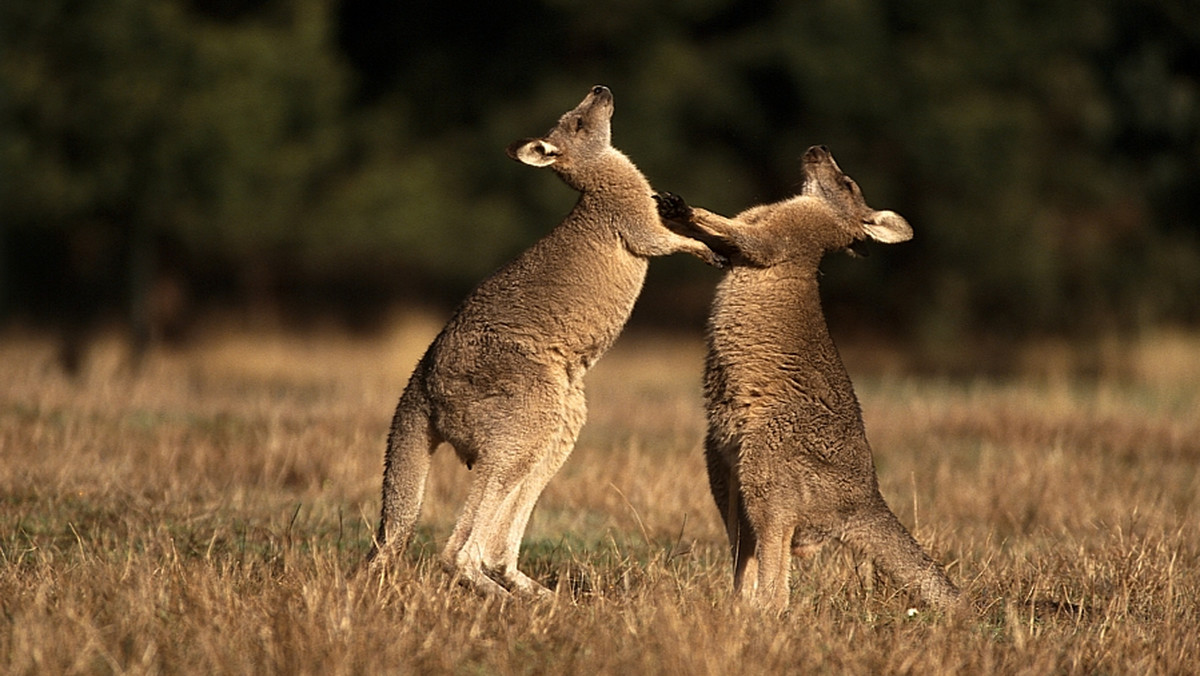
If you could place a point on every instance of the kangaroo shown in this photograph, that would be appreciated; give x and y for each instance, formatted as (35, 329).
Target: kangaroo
(788, 461)
(503, 381)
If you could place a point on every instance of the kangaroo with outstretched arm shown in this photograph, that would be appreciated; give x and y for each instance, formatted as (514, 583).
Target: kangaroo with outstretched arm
(503, 381)
(787, 454)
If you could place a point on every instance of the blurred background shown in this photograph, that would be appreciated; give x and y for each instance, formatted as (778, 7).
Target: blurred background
(166, 161)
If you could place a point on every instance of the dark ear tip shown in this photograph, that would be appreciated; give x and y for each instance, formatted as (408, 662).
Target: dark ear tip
(513, 147)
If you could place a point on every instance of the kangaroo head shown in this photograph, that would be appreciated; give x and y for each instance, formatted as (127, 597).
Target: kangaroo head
(581, 136)
(854, 221)
(828, 215)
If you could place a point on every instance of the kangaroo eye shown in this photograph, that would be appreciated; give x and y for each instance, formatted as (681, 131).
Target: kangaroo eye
(579, 124)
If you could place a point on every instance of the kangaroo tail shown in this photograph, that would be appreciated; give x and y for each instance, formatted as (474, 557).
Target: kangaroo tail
(411, 442)
(881, 536)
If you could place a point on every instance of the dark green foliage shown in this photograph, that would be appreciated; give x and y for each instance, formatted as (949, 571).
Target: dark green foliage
(1047, 154)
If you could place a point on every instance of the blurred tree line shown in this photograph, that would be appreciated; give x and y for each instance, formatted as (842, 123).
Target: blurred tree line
(341, 155)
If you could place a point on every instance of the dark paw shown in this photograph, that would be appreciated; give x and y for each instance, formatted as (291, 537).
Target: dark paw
(671, 207)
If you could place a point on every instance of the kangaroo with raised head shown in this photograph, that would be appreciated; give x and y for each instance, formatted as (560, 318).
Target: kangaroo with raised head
(503, 381)
(787, 454)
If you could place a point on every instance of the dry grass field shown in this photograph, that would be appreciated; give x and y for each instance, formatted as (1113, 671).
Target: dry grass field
(203, 515)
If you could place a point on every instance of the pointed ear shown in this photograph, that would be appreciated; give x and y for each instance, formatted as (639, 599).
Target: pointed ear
(535, 152)
(888, 227)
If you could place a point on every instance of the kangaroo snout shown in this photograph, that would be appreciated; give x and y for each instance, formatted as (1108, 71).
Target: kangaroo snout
(816, 153)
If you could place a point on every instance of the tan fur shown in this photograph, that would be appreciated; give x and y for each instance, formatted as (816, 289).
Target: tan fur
(503, 382)
(788, 459)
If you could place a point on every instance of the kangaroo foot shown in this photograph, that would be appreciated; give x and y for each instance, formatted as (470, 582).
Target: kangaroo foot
(475, 578)
(522, 584)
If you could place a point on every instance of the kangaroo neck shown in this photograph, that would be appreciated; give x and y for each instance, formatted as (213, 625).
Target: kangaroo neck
(616, 192)
(808, 315)
(778, 311)
(610, 209)
(611, 178)
(788, 296)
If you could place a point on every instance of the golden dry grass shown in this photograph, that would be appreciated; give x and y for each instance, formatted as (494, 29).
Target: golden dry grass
(202, 516)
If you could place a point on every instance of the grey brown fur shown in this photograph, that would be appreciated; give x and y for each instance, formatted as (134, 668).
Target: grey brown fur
(788, 459)
(503, 382)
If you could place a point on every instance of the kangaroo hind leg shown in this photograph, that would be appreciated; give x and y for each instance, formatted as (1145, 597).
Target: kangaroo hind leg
(514, 523)
(772, 552)
(509, 453)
